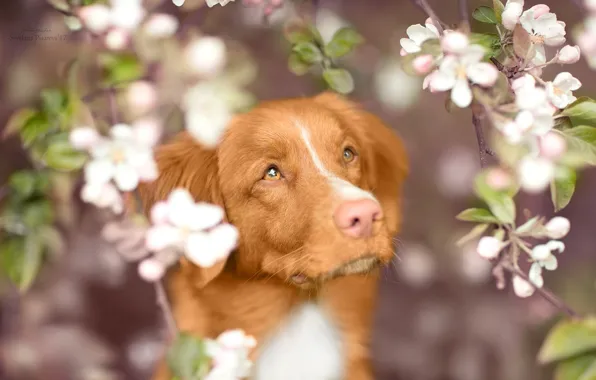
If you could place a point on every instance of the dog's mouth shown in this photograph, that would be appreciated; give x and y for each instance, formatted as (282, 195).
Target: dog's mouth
(361, 265)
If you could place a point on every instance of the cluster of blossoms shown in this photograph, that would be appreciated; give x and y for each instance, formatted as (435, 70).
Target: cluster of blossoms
(542, 255)
(229, 354)
(586, 38)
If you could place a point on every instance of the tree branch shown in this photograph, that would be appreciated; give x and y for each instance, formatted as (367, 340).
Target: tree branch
(482, 148)
(423, 4)
(164, 305)
(465, 15)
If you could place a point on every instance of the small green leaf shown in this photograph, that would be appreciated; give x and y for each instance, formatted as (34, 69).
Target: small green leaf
(37, 214)
(407, 63)
(485, 15)
(23, 183)
(186, 357)
(308, 52)
(61, 155)
(473, 234)
(343, 42)
(527, 226)
(297, 66)
(17, 121)
(339, 80)
(579, 368)
(298, 30)
(498, 7)
(568, 339)
(562, 188)
(477, 215)
(582, 112)
(500, 203)
(54, 101)
(121, 68)
(36, 127)
(581, 145)
(490, 42)
(21, 259)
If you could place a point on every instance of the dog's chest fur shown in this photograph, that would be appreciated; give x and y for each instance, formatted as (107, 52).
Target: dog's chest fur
(307, 347)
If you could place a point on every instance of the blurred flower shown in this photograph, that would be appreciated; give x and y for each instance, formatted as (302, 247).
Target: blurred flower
(206, 56)
(117, 39)
(328, 22)
(211, 3)
(560, 89)
(489, 247)
(83, 138)
(161, 25)
(206, 114)
(521, 287)
(141, 96)
(178, 3)
(569, 54)
(191, 227)
(473, 267)
(151, 270)
(122, 158)
(455, 42)
(394, 88)
(536, 114)
(417, 35)
(543, 257)
(558, 227)
(103, 195)
(535, 173)
(591, 5)
(127, 14)
(455, 71)
(498, 179)
(456, 169)
(97, 17)
(511, 13)
(416, 266)
(552, 145)
(229, 353)
(544, 29)
(586, 40)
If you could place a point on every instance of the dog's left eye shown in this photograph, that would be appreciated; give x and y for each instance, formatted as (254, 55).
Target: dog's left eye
(349, 155)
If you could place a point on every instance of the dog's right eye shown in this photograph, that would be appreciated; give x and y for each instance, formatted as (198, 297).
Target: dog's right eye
(272, 174)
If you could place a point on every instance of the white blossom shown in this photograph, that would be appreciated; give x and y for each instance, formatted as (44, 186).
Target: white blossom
(141, 96)
(127, 14)
(417, 35)
(536, 114)
(117, 39)
(560, 89)
(455, 72)
(455, 42)
(151, 270)
(587, 40)
(552, 145)
(590, 5)
(206, 113)
(229, 353)
(511, 13)
(97, 17)
(194, 228)
(558, 227)
(535, 173)
(212, 3)
(161, 25)
(423, 63)
(206, 56)
(521, 287)
(569, 54)
(544, 258)
(544, 29)
(83, 138)
(103, 195)
(178, 3)
(489, 247)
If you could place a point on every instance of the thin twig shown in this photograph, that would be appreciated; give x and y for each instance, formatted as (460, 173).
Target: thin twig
(423, 4)
(482, 148)
(544, 293)
(164, 305)
(465, 15)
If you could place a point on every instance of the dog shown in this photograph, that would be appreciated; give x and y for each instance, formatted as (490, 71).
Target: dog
(314, 187)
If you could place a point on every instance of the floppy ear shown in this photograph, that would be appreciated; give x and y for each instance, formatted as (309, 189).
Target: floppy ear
(385, 162)
(183, 163)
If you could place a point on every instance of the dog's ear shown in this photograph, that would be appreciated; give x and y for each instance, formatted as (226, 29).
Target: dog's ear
(385, 162)
(183, 163)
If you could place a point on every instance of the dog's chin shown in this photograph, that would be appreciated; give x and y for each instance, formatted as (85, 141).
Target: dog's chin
(359, 266)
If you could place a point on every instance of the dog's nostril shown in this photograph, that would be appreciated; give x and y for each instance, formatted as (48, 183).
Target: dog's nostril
(355, 222)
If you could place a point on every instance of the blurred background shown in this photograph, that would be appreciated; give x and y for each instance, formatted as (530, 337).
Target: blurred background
(440, 316)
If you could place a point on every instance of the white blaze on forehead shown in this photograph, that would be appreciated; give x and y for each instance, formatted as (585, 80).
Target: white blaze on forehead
(343, 188)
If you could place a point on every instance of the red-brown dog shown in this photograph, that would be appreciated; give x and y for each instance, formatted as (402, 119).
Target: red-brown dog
(314, 187)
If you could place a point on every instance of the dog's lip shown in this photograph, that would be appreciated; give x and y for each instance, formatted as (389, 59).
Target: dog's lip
(360, 265)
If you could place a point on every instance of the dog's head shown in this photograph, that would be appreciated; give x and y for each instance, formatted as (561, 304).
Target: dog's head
(313, 186)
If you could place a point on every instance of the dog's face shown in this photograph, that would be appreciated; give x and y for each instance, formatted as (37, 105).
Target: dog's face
(313, 186)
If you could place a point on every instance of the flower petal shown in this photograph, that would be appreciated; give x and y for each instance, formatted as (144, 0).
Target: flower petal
(409, 46)
(550, 263)
(126, 178)
(535, 275)
(99, 171)
(461, 94)
(483, 73)
(199, 250)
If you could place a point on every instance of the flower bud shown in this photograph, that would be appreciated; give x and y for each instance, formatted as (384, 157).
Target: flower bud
(141, 96)
(178, 3)
(552, 145)
(117, 39)
(540, 252)
(423, 64)
(498, 179)
(569, 54)
(151, 270)
(83, 137)
(535, 174)
(206, 56)
(512, 13)
(161, 25)
(521, 287)
(489, 247)
(95, 17)
(454, 42)
(558, 227)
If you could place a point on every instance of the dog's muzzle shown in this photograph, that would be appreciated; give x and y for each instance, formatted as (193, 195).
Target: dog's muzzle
(361, 265)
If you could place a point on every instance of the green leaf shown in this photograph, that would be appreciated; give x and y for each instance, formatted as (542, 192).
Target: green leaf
(36, 127)
(562, 188)
(477, 215)
(37, 214)
(485, 15)
(187, 358)
(17, 121)
(121, 68)
(54, 101)
(61, 155)
(23, 183)
(343, 42)
(407, 63)
(339, 80)
(21, 259)
(528, 226)
(500, 203)
(581, 145)
(297, 65)
(298, 30)
(568, 339)
(498, 7)
(582, 111)
(579, 368)
(431, 46)
(473, 234)
(490, 42)
(308, 52)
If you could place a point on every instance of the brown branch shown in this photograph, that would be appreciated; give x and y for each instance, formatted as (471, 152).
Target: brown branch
(465, 15)
(423, 4)
(164, 305)
(483, 150)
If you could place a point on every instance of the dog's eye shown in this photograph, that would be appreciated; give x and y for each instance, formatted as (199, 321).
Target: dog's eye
(349, 155)
(272, 174)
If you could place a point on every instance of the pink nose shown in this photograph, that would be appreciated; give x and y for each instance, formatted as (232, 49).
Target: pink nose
(356, 218)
